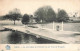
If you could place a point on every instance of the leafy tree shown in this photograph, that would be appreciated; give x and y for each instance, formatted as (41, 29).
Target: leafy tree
(13, 15)
(46, 14)
(25, 19)
(1, 18)
(62, 16)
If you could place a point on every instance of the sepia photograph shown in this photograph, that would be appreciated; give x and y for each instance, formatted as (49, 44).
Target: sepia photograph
(39, 21)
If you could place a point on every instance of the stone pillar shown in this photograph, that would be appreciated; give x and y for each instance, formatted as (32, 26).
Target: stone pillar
(53, 25)
(62, 25)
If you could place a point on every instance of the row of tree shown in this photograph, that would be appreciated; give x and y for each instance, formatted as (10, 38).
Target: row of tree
(16, 15)
(47, 14)
(43, 14)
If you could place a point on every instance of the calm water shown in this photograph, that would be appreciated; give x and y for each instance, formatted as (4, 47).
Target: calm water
(9, 37)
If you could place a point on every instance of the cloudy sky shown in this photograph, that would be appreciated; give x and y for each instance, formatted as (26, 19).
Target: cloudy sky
(30, 6)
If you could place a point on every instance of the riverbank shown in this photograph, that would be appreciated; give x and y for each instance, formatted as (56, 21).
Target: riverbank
(8, 37)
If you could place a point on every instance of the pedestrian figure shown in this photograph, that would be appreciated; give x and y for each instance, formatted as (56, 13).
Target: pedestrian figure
(57, 27)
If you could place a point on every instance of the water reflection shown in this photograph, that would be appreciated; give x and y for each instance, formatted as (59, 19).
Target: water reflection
(14, 38)
(21, 38)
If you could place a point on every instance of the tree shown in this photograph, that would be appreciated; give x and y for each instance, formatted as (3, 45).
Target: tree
(46, 14)
(62, 16)
(1, 18)
(13, 15)
(25, 19)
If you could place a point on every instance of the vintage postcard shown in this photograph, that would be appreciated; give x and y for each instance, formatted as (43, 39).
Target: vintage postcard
(39, 25)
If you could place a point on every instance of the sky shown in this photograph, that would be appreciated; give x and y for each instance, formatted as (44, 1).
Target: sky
(30, 6)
